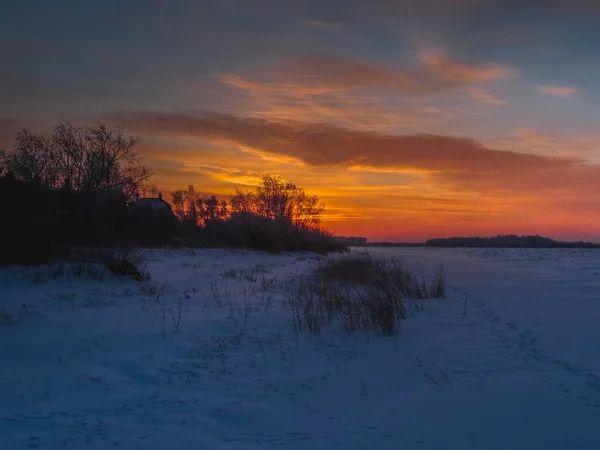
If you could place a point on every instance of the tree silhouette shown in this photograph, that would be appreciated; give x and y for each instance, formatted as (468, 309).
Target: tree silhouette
(211, 210)
(281, 201)
(89, 159)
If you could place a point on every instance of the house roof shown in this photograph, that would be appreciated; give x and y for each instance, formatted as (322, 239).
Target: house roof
(157, 204)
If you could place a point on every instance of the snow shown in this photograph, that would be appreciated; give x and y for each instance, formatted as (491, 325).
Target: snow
(508, 360)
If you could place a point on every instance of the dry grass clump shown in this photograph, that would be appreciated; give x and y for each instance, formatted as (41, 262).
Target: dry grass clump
(363, 269)
(361, 292)
(126, 261)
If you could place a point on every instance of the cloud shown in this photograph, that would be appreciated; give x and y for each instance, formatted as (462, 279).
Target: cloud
(558, 91)
(484, 96)
(547, 142)
(436, 63)
(454, 162)
(364, 94)
(321, 144)
(434, 72)
(324, 104)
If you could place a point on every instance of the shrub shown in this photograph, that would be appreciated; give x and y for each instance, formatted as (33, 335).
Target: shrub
(364, 269)
(125, 261)
(316, 304)
(360, 292)
(250, 231)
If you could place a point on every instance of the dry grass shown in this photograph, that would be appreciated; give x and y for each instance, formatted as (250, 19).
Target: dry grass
(365, 270)
(360, 292)
(126, 261)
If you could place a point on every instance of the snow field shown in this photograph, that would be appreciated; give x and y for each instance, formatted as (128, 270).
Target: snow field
(206, 357)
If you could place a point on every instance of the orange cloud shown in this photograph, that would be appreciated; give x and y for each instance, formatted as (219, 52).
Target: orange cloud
(384, 185)
(300, 102)
(347, 92)
(321, 144)
(484, 96)
(438, 65)
(558, 91)
(435, 72)
(550, 143)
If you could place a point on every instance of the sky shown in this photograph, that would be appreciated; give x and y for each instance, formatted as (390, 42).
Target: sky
(410, 119)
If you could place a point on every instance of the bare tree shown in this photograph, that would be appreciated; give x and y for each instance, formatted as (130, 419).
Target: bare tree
(244, 202)
(178, 201)
(30, 160)
(211, 209)
(111, 162)
(88, 159)
(191, 200)
(69, 156)
(273, 199)
(186, 203)
(3, 169)
(279, 200)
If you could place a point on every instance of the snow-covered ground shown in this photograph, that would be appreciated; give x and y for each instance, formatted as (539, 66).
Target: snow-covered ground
(509, 360)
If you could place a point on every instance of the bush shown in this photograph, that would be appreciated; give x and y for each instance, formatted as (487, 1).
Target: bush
(316, 304)
(250, 231)
(125, 261)
(360, 292)
(364, 269)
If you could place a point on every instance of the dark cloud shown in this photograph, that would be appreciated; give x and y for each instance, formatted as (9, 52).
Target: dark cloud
(434, 72)
(461, 162)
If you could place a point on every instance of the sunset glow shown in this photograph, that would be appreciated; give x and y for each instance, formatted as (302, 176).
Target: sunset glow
(409, 119)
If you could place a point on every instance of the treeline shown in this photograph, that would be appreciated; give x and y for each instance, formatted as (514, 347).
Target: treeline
(275, 216)
(81, 186)
(395, 244)
(71, 187)
(507, 241)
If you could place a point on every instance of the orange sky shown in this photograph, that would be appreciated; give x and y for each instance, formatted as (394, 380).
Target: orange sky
(410, 119)
(381, 185)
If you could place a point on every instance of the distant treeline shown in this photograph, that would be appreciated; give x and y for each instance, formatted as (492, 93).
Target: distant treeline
(507, 241)
(353, 241)
(395, 244)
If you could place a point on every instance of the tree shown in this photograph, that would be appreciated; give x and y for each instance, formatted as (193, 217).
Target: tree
(243, 202)
(274, 216)
(110, 162)
(191, 200)
(178, 202)
(211, 210)
(188, 205)
(278, 200)
(3, 169)
(185, 204)
(31, 159)
(89, 159)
